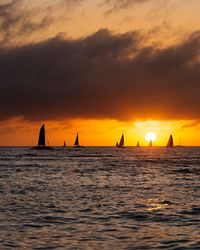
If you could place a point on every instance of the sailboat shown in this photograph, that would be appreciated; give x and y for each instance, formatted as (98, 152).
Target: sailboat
(138, 144)
(121, 143)
(64, 144)
(42, 139)
(170, 143)
(76, 143)
(150, 143)
(117, 144)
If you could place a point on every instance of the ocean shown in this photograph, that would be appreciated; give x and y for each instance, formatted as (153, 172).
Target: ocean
(100, 198)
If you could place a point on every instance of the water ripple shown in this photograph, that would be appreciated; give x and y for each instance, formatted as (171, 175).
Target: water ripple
(100, 198)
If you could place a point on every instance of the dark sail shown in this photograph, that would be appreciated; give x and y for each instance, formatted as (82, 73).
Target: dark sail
(150, 143)
(64, 144)
(121, 143)
(41, 139)
(76, 143)
(138, 144)
(117, 145)
(170, 143)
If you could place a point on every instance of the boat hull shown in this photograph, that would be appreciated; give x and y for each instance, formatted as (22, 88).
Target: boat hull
(43, 148)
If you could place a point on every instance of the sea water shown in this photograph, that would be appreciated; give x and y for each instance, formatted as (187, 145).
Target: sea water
(100, 198)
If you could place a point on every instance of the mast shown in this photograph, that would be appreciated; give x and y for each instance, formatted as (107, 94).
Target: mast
(170, 143)
(121, 143)
(41, 139)
(76, 143)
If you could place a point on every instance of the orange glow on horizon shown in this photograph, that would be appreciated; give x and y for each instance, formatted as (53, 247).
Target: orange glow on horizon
(20, 132)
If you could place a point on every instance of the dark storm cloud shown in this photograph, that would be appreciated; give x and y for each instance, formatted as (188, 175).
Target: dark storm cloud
(103, 75)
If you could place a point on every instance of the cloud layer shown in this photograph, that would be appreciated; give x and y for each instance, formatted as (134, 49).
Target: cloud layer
(104, 75)
(20, 19)
(116, 5)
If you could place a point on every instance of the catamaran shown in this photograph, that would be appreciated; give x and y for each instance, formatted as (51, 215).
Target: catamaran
(121, 143)
(170, 143)
(42, 140)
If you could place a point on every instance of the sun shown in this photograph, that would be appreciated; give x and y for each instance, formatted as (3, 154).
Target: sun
(150, 136)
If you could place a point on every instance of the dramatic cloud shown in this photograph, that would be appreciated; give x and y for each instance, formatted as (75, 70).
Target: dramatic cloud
(104, 75)
(157, 11)
(15, 20)
(19, 18)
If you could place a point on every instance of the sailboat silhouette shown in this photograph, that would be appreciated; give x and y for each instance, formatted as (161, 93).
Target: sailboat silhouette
(76, 143)
(64, 144)
(42, 139)
(138, 144)
(121, 143)
(170, 143)
(150, 143)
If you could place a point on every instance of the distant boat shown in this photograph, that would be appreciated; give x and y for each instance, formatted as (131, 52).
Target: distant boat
(76, 143)
(138, 144)
(170, 143)
(42, 139)
(150, 143)
(64, 144)
(117, 144)
(121, 143)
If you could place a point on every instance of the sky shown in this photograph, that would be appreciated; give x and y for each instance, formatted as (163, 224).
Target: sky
(100, 68)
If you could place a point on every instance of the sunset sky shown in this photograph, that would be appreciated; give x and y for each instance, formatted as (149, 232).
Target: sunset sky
(100, 68)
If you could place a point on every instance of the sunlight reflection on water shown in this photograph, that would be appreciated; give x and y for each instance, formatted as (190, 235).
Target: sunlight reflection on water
(155, 204)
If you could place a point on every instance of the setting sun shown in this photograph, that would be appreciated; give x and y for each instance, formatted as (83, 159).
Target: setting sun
(151, 136)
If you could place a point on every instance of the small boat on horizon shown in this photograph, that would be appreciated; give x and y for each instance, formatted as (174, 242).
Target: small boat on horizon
(138, 144)
(76, 143)
(117, 144)
(121, 143)
(42, 140)
(170, 143)
(150, 143)
(64, 144)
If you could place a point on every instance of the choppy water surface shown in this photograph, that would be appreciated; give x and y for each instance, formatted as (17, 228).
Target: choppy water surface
(100, 198)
